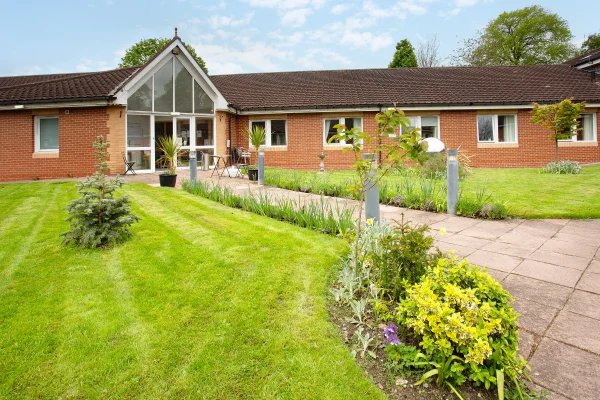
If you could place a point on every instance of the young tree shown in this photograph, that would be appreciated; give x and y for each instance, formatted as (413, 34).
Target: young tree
(590, 43)
(98, 218)
(530, 35)
(560, 118)
(427, 53)
(404, 55)
(145, 49)
(393, 148)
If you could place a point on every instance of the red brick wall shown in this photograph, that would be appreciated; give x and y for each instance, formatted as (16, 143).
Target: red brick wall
(77, 131)
(457, 128)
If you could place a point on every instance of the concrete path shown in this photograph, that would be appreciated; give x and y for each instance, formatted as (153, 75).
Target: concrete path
(551, 267)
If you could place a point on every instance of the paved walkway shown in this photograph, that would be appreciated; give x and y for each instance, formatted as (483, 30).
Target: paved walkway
(551, 267)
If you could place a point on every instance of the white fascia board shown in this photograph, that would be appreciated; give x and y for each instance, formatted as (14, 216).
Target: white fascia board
(588, 64)
(37, 106)
(377, 109)
(199, 75)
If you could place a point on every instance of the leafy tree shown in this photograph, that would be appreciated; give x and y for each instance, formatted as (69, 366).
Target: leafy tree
(530, 35)
(590, 43)
(98, 218)
(560, 118)
(404, 55)
(145, 49)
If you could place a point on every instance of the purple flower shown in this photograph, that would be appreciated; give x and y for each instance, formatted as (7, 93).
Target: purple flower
(390, 334)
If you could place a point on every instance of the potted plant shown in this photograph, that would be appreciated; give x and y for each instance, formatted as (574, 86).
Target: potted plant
(170, 149)
(257, 137)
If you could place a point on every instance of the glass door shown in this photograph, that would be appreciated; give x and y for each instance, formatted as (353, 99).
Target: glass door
(183, 136)
(139, 141)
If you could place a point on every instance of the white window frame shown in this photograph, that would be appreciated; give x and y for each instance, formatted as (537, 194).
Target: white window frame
(268, 132)
(594, 131)
(495, 128)
(342, 121)
(419, 124)
(38, 118)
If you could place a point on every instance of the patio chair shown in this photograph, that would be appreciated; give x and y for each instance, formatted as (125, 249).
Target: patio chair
(128, 165)
(241, 159)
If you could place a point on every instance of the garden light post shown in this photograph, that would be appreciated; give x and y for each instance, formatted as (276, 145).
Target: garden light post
(452, 182)
(371, 191)
(193, 166)
(322, 162)
(261, 166)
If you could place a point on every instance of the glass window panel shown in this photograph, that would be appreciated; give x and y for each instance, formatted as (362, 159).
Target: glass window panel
(199, 155)
(586, 125)
(204, 132)
(507, 129)
(262, 124)
(202, 103)
(163, 88)
(141, 99)
(183, 158)
(183, 88)
(429, 127)
(141, 158)
(278, 137)
(485, 128)
(183, 132)
(330, 130)
(138, 130)
(413, 123)
(48, 139)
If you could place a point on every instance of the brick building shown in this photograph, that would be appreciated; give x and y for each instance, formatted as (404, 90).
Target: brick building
(48, 122)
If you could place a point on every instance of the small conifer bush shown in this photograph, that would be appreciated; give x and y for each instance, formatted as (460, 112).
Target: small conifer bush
(98, 218)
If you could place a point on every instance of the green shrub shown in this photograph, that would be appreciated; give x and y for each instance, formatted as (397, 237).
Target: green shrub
(99, 218)
(435, 166)
(562, 167)
(404, 258)
(466, 326)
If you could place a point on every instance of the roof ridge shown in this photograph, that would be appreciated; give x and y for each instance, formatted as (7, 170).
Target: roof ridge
(392, 69)
(62, 78)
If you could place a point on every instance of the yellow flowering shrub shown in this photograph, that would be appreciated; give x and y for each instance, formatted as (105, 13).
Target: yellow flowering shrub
(459, 311)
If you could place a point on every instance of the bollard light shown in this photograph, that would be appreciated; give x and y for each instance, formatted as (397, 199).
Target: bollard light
(452, 180)
(372, 191)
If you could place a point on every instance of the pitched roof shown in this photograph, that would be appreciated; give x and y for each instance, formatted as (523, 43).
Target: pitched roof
(85, 86)
(441, 86)
(591, 55)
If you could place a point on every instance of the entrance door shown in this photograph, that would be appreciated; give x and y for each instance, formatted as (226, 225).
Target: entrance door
(178, 128)
(163, 127)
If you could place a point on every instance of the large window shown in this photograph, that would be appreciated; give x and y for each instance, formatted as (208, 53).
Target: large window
(429, 125)
(46, 134)
(586, 131)
(329, 129)
(497, 128)
(171, 88)
(275, 131)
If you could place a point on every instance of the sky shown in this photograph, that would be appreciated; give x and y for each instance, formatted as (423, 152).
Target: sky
(238, 36)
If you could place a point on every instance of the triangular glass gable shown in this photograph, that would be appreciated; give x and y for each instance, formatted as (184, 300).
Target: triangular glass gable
(163, 88)
(202, 103)
(141, 99)
(183, 88)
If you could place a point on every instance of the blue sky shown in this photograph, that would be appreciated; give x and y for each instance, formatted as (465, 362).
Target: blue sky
(251, 35)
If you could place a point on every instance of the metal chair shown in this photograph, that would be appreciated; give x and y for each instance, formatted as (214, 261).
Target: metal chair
(128, 165)
(241, 159)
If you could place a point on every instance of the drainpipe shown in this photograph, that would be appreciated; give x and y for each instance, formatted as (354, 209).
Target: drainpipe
(379, 155)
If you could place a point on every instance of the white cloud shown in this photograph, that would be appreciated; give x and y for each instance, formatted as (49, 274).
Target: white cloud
(89, 65)
(369, 40)
(398, 9)
(460, 4)
(223, 21)
(286, 4)
(296, 17)
(340, 8)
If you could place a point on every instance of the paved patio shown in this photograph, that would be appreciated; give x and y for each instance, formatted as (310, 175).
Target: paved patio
(552, 268)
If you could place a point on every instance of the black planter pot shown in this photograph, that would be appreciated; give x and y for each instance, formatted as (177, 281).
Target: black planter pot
(253, 174)
(167, 180)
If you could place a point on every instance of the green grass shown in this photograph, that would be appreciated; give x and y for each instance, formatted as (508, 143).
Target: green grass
(526, 192)
(203, 302)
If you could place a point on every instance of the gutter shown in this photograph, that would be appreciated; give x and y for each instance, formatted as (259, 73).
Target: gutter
(61, 104)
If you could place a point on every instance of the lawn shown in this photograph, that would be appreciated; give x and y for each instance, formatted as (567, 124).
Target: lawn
(203, 302)
(526, 192)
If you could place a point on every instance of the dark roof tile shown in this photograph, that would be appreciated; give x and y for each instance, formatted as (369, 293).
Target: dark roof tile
(407, 86)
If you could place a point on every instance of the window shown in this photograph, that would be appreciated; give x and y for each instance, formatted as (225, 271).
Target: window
(275, 131)
(497, 128)
(329, 129)
(429, 125)
(46, 133)
(587, 128)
